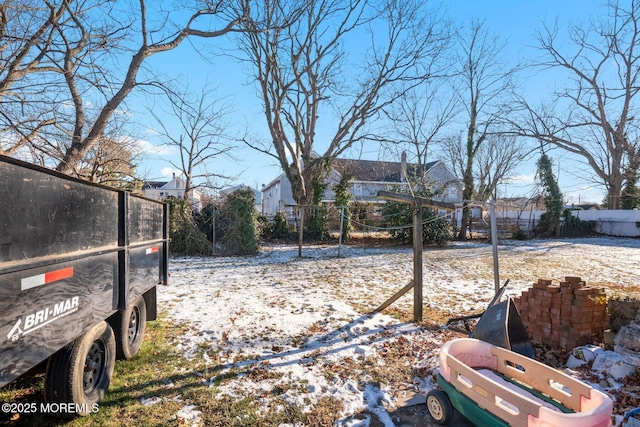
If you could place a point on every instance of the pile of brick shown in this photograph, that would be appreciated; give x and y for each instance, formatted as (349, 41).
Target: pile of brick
(565, 315)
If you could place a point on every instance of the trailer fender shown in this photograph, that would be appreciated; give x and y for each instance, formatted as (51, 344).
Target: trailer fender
(152, 306)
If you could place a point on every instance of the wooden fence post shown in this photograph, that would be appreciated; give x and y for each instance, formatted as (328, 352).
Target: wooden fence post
(418, 203)
(417, 262)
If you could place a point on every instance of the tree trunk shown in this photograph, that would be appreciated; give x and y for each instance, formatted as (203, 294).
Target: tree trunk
(613, 194)
(467, 180)
(467, 195)
(301, 190)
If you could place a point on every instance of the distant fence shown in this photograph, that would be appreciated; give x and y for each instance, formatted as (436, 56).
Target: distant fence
(369, 219)
(364, 217)
(620, 223)
(613, 223)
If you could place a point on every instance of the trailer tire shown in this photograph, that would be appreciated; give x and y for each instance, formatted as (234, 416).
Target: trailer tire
(81, 371)
(439, 407)
(129, 326)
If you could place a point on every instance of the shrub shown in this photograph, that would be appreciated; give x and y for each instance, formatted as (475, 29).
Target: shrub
(186, 237)
(575, 227)
(317, 219)
(316, 229)
(553, 201)
(237, 223)
(279, 229)
(342, 199)
(399, 219)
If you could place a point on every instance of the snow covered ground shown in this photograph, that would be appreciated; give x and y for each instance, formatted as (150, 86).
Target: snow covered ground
(302, 325)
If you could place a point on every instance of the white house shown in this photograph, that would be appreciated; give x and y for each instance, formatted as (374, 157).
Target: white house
(276, 195)
(369, 176)
(160, 190)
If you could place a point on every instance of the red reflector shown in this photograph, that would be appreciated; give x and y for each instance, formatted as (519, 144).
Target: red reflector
(54, 276)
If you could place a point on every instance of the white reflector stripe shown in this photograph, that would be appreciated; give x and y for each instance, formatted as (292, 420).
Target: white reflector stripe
(32, 282)
(152, 250)
(43, 279)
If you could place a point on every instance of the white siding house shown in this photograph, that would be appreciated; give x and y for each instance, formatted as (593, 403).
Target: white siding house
(276, 195)
(369, 177)
(159, 190)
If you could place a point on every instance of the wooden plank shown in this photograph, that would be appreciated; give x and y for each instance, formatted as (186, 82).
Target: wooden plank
(408, 198)
(393, 299)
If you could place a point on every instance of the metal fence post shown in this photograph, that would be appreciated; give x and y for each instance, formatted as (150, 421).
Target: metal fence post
(494, 244)
(341, 225)
(300, 228)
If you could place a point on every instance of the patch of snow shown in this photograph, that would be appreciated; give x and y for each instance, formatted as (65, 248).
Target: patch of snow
(150, 400)
(301, 320)
(188, 415)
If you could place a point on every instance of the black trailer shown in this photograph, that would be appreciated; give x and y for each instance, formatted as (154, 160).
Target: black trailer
(79, 266)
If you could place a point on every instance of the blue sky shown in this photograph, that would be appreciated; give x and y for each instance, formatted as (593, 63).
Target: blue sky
(515, 20)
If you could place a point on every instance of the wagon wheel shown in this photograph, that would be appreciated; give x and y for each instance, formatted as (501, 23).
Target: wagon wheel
(439, 407)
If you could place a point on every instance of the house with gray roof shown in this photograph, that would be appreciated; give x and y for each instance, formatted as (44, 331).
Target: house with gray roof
(368, 177)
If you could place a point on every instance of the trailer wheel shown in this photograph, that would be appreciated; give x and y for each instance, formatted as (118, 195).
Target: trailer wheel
(439, 406)
(80, 373)
(129, 326)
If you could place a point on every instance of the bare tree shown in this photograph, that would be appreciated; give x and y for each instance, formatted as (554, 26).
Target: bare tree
(27, 30)
(82, 141)
(495, 160)
(67, 68)
(486, 82)
(418, 120)
(342, 62)
(110, 162)
(594, 113)
(200, 137)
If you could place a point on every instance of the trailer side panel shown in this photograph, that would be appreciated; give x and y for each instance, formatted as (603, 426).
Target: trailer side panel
(72, 253)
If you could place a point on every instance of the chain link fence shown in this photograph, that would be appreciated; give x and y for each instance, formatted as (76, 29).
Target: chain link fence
(362, 220)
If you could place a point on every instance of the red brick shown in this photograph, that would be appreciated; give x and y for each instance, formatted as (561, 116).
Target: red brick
(577, 332)
(567, 296)
(579, 312)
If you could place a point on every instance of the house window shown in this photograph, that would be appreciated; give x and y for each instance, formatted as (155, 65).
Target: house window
(162, 194)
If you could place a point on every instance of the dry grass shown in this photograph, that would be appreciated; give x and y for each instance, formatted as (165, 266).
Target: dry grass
(158, 371)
